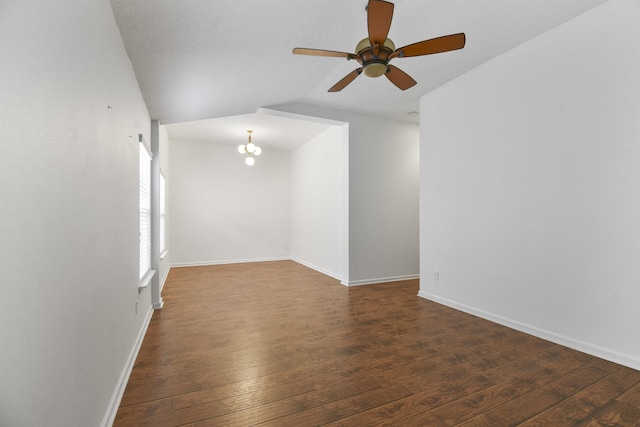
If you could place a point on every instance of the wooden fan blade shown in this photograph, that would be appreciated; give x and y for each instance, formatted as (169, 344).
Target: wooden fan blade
(346, 80)
(322, 52)
(428, 47)
(379, 15)
(399, 78)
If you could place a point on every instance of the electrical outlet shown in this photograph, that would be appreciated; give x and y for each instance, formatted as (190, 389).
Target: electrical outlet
(436, 275)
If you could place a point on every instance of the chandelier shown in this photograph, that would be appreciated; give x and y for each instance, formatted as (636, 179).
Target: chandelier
(250, 150)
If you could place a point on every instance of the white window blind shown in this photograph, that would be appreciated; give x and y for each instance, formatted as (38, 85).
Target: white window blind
(145, 211)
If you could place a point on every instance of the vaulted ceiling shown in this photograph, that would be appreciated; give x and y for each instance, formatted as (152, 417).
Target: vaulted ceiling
(212, 59)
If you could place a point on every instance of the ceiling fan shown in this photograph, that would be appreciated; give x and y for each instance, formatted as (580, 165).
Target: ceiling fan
(376, 51)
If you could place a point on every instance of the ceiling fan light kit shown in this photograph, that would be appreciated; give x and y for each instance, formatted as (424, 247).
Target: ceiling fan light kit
(374, 65)
(375, 51)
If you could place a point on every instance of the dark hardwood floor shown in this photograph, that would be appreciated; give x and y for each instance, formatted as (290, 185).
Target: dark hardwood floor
(278, 344)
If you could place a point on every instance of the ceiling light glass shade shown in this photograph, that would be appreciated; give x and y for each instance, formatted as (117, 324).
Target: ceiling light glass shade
(257, 151)
(251, 147)
(242, 149)
(375, 70)
(250, 161)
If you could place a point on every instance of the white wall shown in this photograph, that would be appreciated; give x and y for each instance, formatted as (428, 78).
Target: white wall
(71, 110)
(384, 178)
(319, 177)
(165, 170)
(225, 211)
(530, 201)
(383, 195)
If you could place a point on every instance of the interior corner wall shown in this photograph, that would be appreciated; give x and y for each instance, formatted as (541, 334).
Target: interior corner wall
(383, 195)
(384, 179)
(71, 111)
(530, 201)
(319, 220)
(165, 262)
(223, 211)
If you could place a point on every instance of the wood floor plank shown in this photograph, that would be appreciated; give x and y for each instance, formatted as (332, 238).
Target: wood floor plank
(417, 406)
(615, 414)
(585, 403)
(481, 420)
(144, 410)
(484, 400)
(631, 396)
(521, 409)
(343, 408)
(421, 419)
(279, 344)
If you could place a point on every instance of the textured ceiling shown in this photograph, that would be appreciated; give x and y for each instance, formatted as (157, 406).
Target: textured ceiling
(204, 59)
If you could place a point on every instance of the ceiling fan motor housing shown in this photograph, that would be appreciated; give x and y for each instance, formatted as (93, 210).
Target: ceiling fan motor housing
(374, 58)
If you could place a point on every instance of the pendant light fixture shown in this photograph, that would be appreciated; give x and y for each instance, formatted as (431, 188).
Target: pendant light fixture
(250, 150)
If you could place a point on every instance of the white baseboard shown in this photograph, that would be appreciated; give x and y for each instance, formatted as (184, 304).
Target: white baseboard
(116, 398)
(163, 280)
(226, 261)
(318, 269)
(381, 280)
(594, 350)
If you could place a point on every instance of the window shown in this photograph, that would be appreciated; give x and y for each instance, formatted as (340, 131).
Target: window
(163, 240)
(145, 215)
